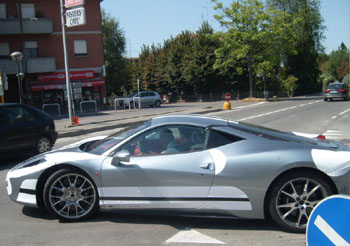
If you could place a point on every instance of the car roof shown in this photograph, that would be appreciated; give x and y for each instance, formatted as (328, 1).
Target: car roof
(191, 119)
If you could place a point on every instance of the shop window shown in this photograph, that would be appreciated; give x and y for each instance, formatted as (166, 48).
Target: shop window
(3, 11)
(4, 50)
(31, 49)
(28, 10)
(80, 48)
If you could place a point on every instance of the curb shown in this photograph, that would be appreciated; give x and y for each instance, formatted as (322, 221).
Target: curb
(74, 131)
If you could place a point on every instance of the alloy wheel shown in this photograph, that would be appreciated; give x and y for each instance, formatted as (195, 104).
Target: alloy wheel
(296, 199)
(43, 145)
(72, 196)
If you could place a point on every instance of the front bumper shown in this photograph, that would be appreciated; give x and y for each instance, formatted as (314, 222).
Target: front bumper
(21, 184)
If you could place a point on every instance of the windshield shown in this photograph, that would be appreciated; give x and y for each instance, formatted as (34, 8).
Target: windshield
(101, 146)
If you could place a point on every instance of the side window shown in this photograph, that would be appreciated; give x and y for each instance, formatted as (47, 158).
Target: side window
(15, 114)
(217, 139)
(167, 140)
(19, 114)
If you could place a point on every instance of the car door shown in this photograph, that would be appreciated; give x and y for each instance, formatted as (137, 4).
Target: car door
(158, 180)
(144, 99)
(20, 129)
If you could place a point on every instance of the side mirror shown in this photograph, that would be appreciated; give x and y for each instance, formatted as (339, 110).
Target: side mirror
(122, 156)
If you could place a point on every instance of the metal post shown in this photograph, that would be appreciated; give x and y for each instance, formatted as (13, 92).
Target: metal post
(19, 84)
(69, 95)
(138, 93)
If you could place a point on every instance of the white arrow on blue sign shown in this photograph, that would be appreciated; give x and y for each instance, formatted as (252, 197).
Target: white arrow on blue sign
(329, 222)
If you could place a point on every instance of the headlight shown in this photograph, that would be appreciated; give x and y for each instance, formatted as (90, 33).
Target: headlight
(29, 163)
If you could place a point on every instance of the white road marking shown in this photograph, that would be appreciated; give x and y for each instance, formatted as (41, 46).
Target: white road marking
(340, 114)
(331, 134)
(237, 108)
(329, 232)
(192, 236)
(268, 113)
(344, 112)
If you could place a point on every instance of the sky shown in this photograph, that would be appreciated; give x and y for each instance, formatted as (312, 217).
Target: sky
(147, 22)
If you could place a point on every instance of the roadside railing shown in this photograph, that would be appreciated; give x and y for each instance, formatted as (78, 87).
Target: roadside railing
(88, 102)
(52, 105)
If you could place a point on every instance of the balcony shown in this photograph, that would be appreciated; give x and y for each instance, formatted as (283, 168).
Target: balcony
(41, 65)
(33, 65)
(30, 26)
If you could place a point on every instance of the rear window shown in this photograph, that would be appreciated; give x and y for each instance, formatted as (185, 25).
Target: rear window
(336, 86)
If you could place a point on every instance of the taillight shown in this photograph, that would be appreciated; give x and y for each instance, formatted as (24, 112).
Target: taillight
(321, 137)
(342, 90)
(326, 91)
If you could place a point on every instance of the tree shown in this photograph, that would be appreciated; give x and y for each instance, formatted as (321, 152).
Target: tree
(304, 63)
(256, 39)
(117, 68)
(338, 63)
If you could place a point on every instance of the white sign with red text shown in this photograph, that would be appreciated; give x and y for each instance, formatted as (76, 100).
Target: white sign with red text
(74, 3)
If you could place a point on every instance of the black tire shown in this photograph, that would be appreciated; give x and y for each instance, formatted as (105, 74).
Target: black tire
(157, 104)
(293, 197)
(43, 144)
(70, 195)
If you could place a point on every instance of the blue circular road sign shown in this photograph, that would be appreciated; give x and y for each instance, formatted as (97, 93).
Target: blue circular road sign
(329, 222)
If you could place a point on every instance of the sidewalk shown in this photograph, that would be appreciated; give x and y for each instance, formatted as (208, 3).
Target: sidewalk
(109, 119)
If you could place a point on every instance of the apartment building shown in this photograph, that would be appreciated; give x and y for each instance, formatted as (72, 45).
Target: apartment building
(34, 28)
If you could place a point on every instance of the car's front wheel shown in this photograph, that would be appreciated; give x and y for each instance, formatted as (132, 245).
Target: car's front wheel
(293, 198)
(70, 195)
(157, 104)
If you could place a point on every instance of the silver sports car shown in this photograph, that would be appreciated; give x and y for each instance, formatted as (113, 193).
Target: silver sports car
(188, 165)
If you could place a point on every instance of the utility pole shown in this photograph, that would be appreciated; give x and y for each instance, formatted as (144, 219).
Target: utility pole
(66, 65)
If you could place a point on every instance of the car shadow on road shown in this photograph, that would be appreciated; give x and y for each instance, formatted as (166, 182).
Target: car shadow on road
(37, 213)
(184, 223)
(180, 223)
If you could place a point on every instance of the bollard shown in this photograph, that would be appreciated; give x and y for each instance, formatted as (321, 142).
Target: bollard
(227, 105)
(75, 120)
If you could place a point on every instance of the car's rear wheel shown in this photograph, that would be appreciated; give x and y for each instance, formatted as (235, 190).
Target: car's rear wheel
(43, 145)
(293, 198)
(70, 195)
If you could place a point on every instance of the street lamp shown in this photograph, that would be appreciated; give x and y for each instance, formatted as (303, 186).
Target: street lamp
(18, 57)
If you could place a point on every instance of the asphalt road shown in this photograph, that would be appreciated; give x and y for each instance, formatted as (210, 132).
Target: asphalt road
(28, 226)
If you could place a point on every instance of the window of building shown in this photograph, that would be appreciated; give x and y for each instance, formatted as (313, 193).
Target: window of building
(28, 10)
(4, 50)
(31, 49)
(3, 11)
(80, 48)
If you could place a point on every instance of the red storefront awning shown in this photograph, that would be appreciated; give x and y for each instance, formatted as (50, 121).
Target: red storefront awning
(59, 86)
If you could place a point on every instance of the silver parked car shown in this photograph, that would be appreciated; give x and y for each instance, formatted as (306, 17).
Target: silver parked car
(187, 164)
(147, 98)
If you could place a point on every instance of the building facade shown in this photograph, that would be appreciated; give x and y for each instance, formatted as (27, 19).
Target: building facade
(34, 28)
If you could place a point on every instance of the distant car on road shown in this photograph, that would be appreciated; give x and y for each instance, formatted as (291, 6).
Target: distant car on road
(187, 165)
(25, 127)
(336, 91)
(148, 98)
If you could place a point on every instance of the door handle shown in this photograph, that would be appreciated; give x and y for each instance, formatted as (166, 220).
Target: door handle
(207, 166)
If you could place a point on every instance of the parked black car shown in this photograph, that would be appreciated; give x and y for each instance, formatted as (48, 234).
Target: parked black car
(336, 91)
(25, 127)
